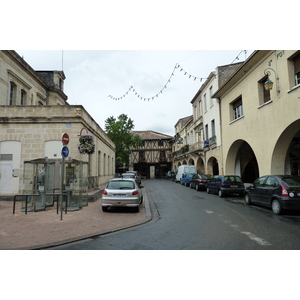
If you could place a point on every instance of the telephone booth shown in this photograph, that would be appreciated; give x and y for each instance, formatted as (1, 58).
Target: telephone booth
(39, 184)
(42, 184)
(76, 183)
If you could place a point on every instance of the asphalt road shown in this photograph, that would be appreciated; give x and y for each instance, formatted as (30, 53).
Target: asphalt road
(185, 219)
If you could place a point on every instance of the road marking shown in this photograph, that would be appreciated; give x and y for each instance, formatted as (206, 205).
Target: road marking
(3, 233)
(258, 240)
(250, 235)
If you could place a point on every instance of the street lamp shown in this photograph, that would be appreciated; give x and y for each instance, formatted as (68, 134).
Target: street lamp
(269, 83)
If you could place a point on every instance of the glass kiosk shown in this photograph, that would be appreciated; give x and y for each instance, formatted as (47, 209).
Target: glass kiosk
(76, 184)
(38, 184)
(42, 184)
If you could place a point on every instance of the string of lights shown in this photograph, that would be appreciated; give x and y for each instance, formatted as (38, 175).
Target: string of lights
(177, 66)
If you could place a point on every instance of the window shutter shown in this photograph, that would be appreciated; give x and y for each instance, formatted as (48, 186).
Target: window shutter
(297, 64)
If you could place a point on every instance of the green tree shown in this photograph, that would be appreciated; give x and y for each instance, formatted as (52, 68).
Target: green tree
(119, 131)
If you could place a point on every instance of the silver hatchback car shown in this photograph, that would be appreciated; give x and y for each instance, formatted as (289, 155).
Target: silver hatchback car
(122, 192)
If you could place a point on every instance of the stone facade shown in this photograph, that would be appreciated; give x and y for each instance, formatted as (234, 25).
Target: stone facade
(261, 129)
(198, 137)
(33, 116)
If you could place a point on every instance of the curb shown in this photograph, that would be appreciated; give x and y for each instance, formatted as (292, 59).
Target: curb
(148, 218)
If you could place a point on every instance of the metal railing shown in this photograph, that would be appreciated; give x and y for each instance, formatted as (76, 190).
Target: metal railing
(27, 196)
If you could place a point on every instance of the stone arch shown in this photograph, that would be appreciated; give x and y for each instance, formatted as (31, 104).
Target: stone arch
(241, 160)
(212, 166)
(191, 162)
(200, 166)
(285, 156)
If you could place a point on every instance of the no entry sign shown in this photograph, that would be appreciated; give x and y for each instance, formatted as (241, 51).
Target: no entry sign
(65, 139)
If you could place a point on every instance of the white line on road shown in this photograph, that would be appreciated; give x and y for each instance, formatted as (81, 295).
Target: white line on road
(258, 240)
(250, 235)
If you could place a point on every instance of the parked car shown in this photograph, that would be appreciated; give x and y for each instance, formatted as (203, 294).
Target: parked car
(226, 184)
(122, 192)
(186, 178)
(278, 192)
(199, 181)
(138, 176)
(183, 169)
(129, 175)
(170, 175)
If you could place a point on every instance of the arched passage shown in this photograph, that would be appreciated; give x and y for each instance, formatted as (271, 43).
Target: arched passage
(242, 161)
(212, 166)
(200, 166)
(286, 154)
(191, 162)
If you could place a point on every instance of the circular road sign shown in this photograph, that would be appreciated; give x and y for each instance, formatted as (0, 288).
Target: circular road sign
(65, 151)
(65, 139)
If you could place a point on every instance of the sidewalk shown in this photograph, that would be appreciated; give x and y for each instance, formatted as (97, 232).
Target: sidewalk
(38, 230)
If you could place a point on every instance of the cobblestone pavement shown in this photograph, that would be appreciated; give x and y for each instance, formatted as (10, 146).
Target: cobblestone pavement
(38, 230)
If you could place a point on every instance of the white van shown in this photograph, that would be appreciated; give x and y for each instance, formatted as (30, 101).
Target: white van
(185, 169)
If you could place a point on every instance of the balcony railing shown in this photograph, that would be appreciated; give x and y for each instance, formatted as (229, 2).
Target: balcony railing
(196, 146)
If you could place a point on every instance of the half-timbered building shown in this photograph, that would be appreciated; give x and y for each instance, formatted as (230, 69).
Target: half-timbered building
(154, 158)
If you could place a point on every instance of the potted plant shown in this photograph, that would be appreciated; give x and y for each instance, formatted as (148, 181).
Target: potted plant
(86, 144)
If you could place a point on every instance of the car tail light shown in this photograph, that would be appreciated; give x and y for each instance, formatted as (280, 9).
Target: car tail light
(223, 185)
(104, 192)
(135, 193)
(203, 181)
(284, 192)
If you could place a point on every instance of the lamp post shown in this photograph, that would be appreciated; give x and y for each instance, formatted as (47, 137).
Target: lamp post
(269, 83)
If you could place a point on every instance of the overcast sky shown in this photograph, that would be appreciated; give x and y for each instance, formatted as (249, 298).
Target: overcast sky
(96, 78)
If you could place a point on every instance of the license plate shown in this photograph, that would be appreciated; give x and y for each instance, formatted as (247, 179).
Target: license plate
(119, 195)
(234, 186)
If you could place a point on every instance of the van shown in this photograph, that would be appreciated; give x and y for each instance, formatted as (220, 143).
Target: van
(185, 169)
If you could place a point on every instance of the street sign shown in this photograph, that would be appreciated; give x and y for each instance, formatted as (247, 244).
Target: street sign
(65, 151)
(65, 139)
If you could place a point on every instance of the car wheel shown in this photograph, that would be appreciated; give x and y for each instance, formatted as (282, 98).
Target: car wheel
(247, 199)
(185, 184)
(220, 193)
(191, 185)
(197, 187)
(276, 207)
(137, 209)
(104, 208)
(208, 190)
(142, 199)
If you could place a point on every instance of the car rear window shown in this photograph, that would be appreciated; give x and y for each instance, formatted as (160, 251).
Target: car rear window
(121, 185)
(292, 182)
(206, 176)
(128, 175)
(232, 179)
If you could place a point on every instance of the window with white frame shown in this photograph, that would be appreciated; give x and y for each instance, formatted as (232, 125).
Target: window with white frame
(23, 98)
(213, 128)
(210, 95)
(264, 95)
(12, 93)
(237, 107)
(205, 103)
(206, 132)
(297, 69)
